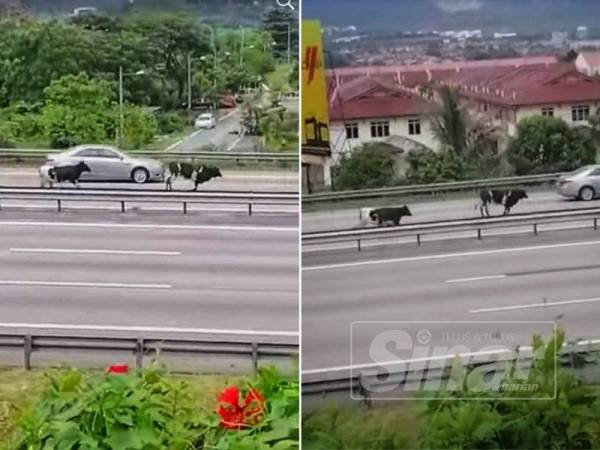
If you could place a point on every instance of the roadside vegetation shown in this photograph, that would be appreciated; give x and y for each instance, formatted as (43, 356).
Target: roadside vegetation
(571, 420)
(59, 83)
(72, 409)
(468, 151)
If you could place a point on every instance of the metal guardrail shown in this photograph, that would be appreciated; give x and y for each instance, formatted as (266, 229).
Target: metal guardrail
(148, 196)
(430, 188)
(36, 154)
(141, 347)
(574, 355)
(418, 230)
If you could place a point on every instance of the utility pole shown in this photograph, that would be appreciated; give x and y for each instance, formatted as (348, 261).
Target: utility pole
(121, 114)
(289, 42)
(189, 83)
(242, 45)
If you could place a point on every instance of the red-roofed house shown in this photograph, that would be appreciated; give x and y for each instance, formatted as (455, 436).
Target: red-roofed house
(588, 62)
(371, 109)
(503, 96)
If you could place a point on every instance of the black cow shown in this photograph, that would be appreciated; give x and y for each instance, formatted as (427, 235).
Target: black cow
(50, 174)
(383, 215)
(198, 174)
(500, 197)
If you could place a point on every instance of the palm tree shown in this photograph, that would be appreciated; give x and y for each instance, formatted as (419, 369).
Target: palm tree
(450, 124)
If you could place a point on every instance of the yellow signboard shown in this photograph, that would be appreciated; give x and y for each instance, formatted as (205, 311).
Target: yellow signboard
(315, 114)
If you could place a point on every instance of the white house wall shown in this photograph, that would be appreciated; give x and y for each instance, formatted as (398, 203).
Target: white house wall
(398, 127)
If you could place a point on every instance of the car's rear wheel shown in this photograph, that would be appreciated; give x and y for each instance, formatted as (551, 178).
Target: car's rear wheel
(140, 175)
(587, 193)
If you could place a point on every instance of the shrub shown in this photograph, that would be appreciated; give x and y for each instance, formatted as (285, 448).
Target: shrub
(148, 410)
(549, 144)
(430, 167)
(139, 127)
(365, 168)
(170, 122)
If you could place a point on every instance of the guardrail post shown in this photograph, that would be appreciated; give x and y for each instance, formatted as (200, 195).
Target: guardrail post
(122, 206)
(249, 209)
(139, 353)
(418, 239)
(185, 207)
(479, 233)
(59, 205)
(255, 358)
(0, 204)
(535, 229)
(358, 245)
(595, 221)
(27, 346)
(364, 392)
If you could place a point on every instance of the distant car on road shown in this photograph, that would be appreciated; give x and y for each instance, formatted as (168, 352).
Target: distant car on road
(205, 120)
(107, 164)
(582, 184)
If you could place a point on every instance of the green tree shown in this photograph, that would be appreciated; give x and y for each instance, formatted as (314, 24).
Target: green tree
(369, 166)
(78, 109)
(276, 23)
(450, 125)
(548, 144)
(430, 167)
(139, 126)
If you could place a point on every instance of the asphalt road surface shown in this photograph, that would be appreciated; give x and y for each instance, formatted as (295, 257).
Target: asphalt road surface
(222, 271)
(284, 181)
(552, 277)
(424, 211)
(219, 137)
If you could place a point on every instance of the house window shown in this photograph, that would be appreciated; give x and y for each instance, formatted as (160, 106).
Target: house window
(548, 112)
(380, 129)
(580, 113)
(351, 131)
(485, 107)
(414, 126)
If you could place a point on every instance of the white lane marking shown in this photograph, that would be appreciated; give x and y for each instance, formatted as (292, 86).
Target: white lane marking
(522, 349)
(172, 146)
(235, 143)
(535, 305)
(453, 255)
(83, 284)
(229, 114)
(57, 326)
(74, 251)
(468, 280)
(149, 226)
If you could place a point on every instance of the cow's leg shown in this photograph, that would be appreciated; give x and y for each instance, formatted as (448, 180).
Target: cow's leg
(487, 210)
(396, 221)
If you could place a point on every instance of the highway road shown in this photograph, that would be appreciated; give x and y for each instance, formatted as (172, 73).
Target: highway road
(423, 211)
(552, 277)
(219, 271)
(232, 180)
(219, 138)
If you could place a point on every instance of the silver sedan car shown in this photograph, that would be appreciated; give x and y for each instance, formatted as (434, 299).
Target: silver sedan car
(108, 164)
(583, 184)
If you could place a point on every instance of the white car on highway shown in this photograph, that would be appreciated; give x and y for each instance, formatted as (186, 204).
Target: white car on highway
(582, 184)
(205, 120)
(108, 164)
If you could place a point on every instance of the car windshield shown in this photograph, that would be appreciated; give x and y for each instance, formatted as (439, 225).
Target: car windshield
(205, 116)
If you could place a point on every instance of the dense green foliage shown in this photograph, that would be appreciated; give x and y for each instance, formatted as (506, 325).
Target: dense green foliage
(150, 410)
(59, 79)
(548, 144)
(563, 413)
(430, 167)
(364, 168)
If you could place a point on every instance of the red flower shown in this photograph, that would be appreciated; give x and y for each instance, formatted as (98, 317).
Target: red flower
(118, 369)
(236, 413)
